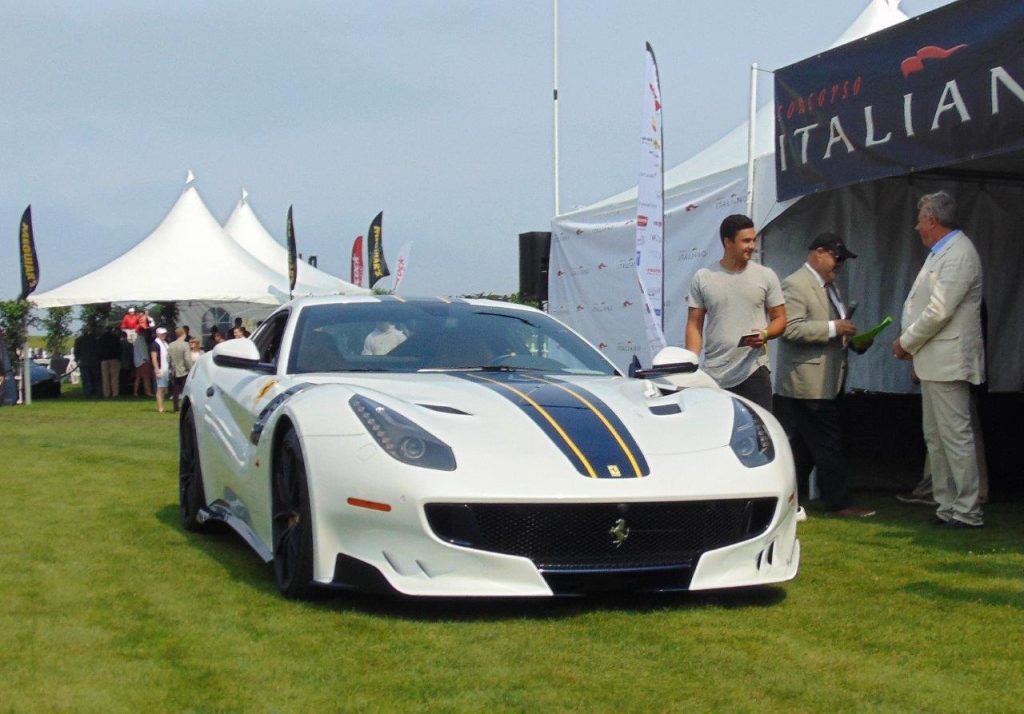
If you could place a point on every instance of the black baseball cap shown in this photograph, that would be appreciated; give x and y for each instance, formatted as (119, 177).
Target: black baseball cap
(833, 243)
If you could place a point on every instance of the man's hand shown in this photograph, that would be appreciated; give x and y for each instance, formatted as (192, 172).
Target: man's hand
(754, 340)
(845, 328)
(897, 349)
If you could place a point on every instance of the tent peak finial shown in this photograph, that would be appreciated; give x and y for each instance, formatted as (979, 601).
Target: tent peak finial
(245, 195)
(190, 178)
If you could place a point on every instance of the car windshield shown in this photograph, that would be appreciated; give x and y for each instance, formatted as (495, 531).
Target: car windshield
(411, 336)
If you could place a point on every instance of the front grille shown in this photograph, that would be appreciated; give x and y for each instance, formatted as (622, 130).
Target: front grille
(618, 536)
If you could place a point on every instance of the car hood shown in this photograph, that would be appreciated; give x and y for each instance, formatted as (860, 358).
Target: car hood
(489, 408)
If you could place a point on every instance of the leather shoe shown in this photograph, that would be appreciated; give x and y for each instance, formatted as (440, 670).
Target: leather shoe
(954, 524)
(937, 521)
(852, 512)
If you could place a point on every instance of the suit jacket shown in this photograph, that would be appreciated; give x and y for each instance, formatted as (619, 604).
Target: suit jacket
(810, 365)
(942, 316)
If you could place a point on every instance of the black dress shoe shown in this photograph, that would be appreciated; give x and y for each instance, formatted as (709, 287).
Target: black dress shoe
(954, 524)
(936, 521)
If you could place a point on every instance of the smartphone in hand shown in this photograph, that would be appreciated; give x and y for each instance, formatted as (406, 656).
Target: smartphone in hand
(746, 339)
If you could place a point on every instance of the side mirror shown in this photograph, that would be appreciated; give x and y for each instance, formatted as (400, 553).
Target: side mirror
(677, 368)
(240, 354)
(671, 360)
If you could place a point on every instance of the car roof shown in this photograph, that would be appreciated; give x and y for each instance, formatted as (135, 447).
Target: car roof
(363, 299)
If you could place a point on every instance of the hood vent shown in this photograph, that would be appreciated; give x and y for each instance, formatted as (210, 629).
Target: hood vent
(444, 409)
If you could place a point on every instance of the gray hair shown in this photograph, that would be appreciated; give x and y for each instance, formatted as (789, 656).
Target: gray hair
(941, 206)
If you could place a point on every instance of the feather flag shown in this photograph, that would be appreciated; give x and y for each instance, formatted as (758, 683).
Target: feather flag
(378, 267)
(293, 267)
(358, 263)
(29, 260)
(401, 264)
(650, 210)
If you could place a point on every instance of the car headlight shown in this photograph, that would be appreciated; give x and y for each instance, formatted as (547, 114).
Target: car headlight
(401, 438)
(750, 440)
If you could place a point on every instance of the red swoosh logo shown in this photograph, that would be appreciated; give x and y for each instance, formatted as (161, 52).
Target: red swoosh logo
(916, 63)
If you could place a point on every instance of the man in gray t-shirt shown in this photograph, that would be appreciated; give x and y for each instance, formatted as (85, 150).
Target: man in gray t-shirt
(735, 307)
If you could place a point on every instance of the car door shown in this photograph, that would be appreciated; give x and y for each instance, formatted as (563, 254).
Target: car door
(230, 410)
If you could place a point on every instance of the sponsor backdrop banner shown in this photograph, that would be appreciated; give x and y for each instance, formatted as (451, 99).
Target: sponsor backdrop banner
(592, 283)
(945, 87)
(650, 211)
(27, 251)
(358, 263)
(378, 267)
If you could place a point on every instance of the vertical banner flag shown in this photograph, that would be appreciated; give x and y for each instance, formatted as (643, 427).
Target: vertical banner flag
(358, 263)
(27, 250)
(650, 209)
(378, 267)
(293, 267)
(401, 264)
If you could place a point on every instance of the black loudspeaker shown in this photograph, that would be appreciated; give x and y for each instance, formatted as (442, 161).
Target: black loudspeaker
(534, 249)
(313, 261)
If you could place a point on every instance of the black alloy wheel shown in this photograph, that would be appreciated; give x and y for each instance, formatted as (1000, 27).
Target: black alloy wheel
(191, 495)
(292, 524)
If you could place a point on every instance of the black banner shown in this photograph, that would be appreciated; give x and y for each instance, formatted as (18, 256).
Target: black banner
(375, 250)
(293, 267)
(27, 250)
(938, 89)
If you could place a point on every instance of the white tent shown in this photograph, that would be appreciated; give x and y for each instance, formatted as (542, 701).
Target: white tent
(592, 279)
(248, 231)
(188, 257)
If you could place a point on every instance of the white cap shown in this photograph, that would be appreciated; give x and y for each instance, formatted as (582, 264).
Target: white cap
(161, 330)
(131, 309)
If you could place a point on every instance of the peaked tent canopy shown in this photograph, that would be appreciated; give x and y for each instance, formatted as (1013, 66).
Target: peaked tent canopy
(184, 258)
(247, 230)
(592, 278)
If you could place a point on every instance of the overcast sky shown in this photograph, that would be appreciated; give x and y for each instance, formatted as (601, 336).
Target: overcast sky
(437, 112)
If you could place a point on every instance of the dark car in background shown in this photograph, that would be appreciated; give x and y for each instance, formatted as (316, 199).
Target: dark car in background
(45, 382)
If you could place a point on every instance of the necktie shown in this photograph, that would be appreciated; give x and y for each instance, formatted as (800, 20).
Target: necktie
(837, 303)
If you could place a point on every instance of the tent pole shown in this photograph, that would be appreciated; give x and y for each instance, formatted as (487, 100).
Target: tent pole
(555, 101)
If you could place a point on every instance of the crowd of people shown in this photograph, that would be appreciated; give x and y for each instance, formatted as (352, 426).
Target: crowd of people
(736, 306)
(141, 358)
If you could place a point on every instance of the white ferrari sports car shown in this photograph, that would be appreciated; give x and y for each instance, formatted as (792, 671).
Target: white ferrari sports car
(476, 448)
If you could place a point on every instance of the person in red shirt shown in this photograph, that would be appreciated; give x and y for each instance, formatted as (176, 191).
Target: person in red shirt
(130, 321)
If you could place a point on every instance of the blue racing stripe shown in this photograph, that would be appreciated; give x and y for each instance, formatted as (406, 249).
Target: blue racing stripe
(590, 435)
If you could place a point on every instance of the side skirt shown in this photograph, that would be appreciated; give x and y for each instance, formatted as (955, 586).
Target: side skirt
(218, 511)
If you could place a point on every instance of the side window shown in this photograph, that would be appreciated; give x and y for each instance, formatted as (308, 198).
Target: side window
(268, 337)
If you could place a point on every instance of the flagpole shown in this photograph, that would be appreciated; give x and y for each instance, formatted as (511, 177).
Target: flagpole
(558, 209)
(751, 139)
(26, 369)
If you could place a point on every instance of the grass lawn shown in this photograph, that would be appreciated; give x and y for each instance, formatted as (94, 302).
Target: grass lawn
(108, 605)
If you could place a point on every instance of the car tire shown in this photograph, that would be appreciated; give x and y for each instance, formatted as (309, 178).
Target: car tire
(191, 494)
(292, 523)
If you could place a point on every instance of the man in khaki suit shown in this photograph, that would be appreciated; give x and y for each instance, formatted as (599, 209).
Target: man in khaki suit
(942, 334)
(811, 370)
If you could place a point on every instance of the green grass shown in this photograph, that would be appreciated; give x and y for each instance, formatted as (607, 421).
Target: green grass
(107, 605)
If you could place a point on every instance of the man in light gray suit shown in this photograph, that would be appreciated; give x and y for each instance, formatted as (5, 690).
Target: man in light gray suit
(942, 334)
(811, 370)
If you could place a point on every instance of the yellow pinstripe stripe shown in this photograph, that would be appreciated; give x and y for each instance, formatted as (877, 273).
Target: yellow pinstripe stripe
(611, 428)
(546, 415)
